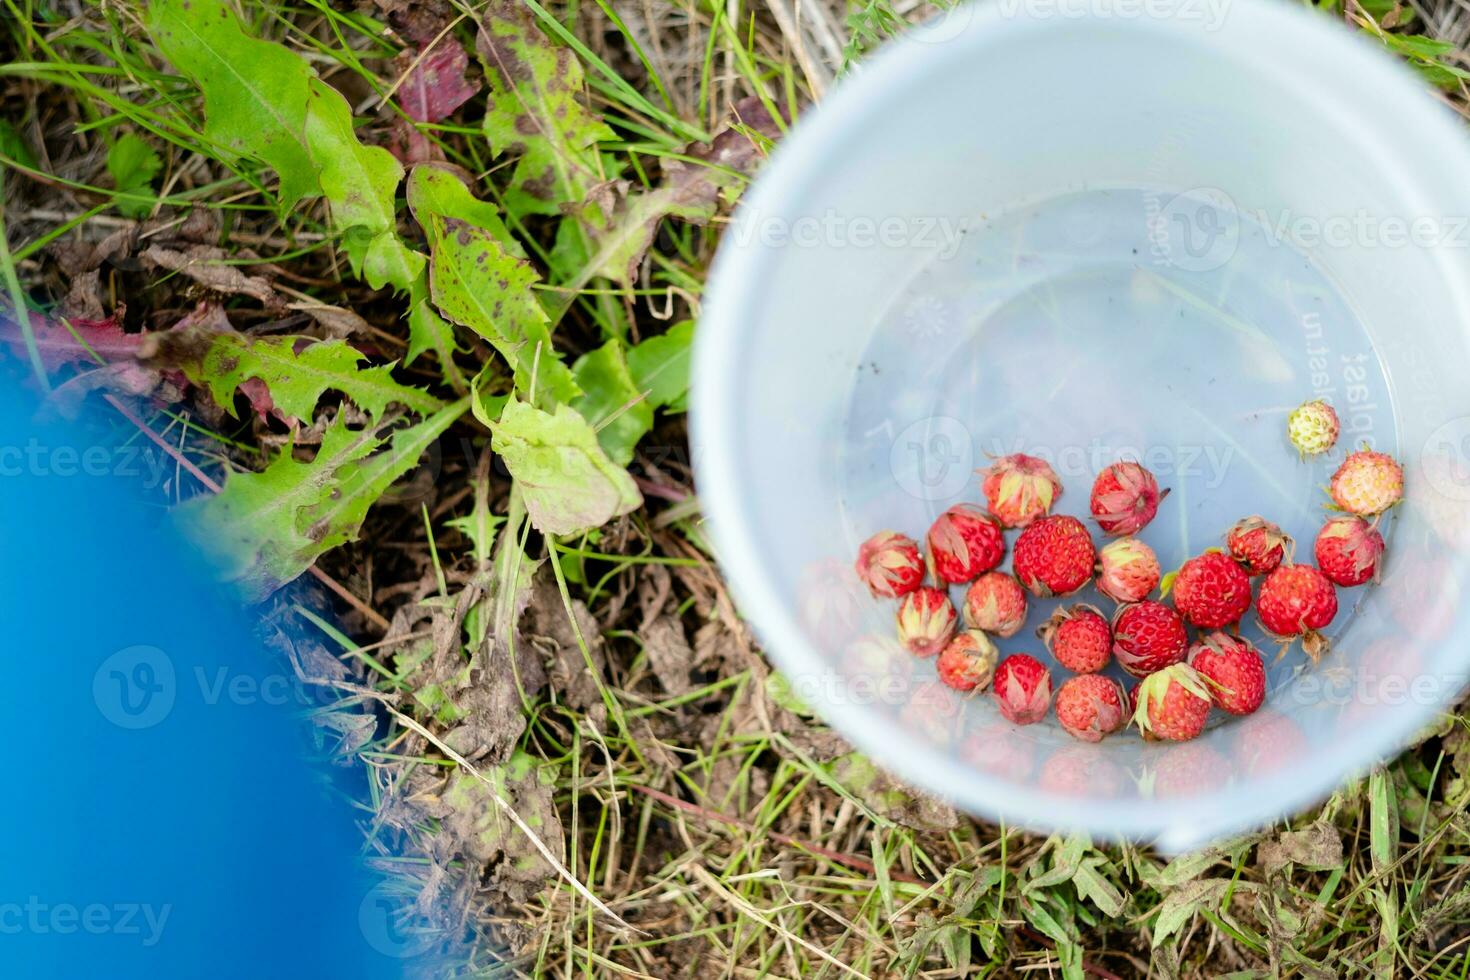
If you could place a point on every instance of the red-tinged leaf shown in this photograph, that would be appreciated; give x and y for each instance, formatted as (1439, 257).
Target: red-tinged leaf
(435, 84)
(61, 345)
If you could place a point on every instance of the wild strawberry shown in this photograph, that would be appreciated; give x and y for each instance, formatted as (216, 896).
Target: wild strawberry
(1020, 488)
(996, 603)
(889, 564)
(933, 713)
(1367, 483)
(926, 621)
(1298, 600)
(1091, 706)
(1348, 549)
(1022, 689)
(1147, 637)
(1211, 591)
(1171, 704)
(1054, 556)
(1125, 498)
(964, 542)
(1080, 770)
(1002, 750)
(967, 661)
(1233, 668)
(1266, 743)
(876, 657)
(830, 600)
(1313, 428)
(1258, 545)
(1185, 769)
(1079, 638)
(1127, 570)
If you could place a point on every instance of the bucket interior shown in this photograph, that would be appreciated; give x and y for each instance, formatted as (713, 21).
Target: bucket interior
(1090, 240)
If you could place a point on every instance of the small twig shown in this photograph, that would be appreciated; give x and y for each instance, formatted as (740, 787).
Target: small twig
(652, 489)
(1087, 965)
(759, 915)
(850, 860)
(340, 590)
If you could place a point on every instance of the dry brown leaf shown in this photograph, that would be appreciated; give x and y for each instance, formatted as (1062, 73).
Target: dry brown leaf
(201, 264)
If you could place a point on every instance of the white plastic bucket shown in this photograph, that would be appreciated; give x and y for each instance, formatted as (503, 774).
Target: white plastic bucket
(818, 420)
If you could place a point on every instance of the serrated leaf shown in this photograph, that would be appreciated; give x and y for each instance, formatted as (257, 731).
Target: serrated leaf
(255, 92)
(480, 525)
(1180, 905)
(1187, 867)
(476, 283)
(535, 112)
(660, 366)
(297, 380)
(267, 528)
(428, 331)
(335, 519)
(1091, 885)
(611, 402)
(568, 483)
(250, 526)
(133, 164)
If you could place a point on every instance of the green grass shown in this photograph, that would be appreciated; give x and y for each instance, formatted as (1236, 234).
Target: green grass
(722, 834)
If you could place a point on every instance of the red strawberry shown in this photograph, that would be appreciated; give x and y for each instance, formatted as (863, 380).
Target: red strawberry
(926, 621)
(1186, 769)
(1211, 591)
(1266, 743)
(1054, 556)
(1125, 498)
(1127, 570)
(1091, 706)
(1234, 669)
(1022, 689)
(1020, 488)
(1002, 750)
(1258, 545)
(967, 661)
(1348, 549)
(996, 603)
(1079, 638)
(964, 542)
(1147, 637)
(933, 712)
(1080, 770)
(1171, 704)
(830, 601)
(889, 564)
(1298, 600)
(1367, 483)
